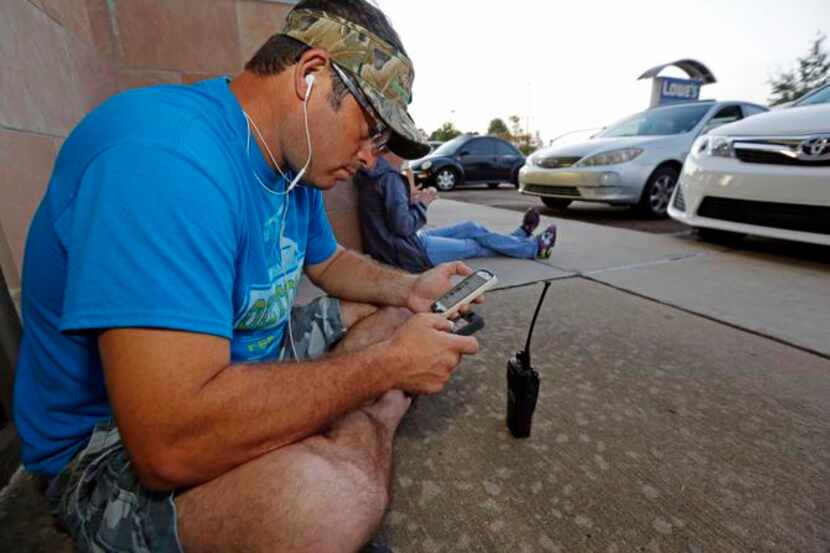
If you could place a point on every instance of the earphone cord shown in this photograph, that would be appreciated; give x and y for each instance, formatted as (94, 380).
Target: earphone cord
(287, 191)
(267, 149)
(285, 275)
(299, 175)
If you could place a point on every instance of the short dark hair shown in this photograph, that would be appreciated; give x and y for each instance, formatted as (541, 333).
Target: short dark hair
(280, 52)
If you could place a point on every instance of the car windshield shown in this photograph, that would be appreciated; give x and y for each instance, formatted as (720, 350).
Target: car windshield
(674, 120)
(820, 97)
(448, 148)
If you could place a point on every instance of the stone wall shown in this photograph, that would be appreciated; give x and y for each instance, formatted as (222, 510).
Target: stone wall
(61, 58)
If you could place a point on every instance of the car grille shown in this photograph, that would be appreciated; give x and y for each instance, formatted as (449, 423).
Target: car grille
(775, 158)
(558, 162)
(781, 150)
(804, 218)
(557, 190)
(679, 200)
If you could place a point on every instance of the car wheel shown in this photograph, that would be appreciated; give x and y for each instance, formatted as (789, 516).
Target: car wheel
(446, 179)
(658, 191)
(556, 203)
(492, 185)
(717, 236)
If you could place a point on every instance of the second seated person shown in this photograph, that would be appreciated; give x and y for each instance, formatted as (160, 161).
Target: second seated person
(393, 212)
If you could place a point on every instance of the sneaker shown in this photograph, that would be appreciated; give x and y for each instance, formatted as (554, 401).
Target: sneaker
(545, 242)
(530, 221)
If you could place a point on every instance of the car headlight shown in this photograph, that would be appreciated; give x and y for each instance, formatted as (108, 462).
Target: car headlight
(714, 146)
(426, 165)
(614, 157)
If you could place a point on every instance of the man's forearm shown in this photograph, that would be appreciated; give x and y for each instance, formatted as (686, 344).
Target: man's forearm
(251, 409)
(355, 277)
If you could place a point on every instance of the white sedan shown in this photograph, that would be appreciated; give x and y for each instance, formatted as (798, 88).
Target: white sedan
(768, 175)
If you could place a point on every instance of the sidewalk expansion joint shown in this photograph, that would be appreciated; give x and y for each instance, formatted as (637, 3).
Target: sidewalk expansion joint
(672, 259)
(754, 332)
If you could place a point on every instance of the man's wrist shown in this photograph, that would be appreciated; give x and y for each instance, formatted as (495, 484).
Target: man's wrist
(384, 357)
(409, 287)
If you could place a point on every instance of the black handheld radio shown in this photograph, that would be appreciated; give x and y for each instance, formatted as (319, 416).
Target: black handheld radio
(523, 384)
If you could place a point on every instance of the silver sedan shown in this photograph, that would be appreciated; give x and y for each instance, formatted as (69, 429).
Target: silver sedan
(636, 161)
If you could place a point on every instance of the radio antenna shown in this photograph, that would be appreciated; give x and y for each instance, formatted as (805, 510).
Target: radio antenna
(526, 352)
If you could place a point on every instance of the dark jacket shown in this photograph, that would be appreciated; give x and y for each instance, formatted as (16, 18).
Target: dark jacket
(388, 221)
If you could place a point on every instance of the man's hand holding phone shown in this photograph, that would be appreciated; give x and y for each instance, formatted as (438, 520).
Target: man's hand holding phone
(426, 348)
(425, 353)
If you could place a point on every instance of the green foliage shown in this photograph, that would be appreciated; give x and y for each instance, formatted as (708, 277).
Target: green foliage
(446, 132)
(498, 128)
(810, 72)
(515, 125)
(521, 138)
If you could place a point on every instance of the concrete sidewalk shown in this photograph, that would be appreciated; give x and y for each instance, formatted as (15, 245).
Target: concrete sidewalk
(657, 429)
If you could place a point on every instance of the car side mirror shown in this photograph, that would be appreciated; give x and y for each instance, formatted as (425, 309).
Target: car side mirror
(463, 153)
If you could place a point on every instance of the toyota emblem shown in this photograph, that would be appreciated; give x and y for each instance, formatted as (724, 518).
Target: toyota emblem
(816, 148)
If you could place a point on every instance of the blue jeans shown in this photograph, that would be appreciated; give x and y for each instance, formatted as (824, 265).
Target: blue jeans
(470, 239)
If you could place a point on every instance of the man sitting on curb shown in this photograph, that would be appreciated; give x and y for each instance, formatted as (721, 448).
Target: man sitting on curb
(392, 212)
(168, 391)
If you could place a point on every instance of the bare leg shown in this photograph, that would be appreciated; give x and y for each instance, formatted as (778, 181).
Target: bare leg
(378, 326)
(352, 313)
(325, 494)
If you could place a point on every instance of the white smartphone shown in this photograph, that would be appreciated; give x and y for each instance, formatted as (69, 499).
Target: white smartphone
(464, 292)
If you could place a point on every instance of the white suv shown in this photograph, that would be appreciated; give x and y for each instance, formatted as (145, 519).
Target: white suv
(767, 175)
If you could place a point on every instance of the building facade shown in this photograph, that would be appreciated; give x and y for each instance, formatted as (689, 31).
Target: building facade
(61, 58)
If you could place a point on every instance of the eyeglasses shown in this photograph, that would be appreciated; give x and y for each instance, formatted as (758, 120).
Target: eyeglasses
(379, 133)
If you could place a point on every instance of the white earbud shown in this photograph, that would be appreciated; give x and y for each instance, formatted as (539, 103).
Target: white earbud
(309, 79)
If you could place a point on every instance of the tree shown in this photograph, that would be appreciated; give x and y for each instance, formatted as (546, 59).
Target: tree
(446, 132)
(521, 138)
(811, 72)
(498, 128)
(515, 125)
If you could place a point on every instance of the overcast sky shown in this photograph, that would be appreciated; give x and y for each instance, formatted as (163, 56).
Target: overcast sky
(571, 65)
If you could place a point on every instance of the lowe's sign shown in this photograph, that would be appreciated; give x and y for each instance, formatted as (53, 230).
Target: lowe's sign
(667, 90)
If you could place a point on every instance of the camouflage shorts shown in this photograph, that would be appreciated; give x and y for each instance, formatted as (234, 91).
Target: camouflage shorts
(98, 499)
(316, 327)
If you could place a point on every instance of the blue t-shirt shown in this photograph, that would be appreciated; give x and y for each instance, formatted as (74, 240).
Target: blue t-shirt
(154, 218)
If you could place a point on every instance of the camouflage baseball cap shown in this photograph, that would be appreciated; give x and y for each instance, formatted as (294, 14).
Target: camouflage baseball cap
(383, 73)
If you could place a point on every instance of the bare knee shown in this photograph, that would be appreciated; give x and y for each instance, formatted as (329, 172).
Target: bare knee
(361, 482)
(316, 495)
(357, 450)
(352, 312)
(355, 479)
(387, 320)
(394, 316)
(373, 329)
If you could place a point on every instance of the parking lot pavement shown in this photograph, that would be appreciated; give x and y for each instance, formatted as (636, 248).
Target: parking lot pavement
(656, 431)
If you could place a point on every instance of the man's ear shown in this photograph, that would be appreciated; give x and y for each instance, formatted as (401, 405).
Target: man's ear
(311, 63)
